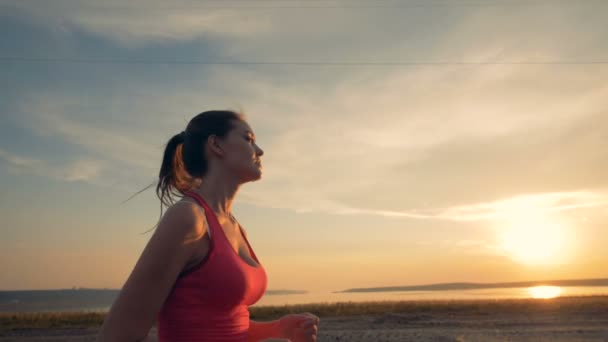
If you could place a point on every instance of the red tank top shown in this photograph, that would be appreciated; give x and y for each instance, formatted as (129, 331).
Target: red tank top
(210, 302)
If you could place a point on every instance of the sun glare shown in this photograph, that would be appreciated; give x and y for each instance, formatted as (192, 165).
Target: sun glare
(533, 239)
(544, 292)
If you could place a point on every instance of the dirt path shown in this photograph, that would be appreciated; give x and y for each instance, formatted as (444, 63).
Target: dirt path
(443, 326)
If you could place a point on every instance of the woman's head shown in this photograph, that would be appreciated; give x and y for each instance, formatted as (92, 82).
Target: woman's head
(218, 140)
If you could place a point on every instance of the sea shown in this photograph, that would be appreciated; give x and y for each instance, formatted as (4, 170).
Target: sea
(100, 300)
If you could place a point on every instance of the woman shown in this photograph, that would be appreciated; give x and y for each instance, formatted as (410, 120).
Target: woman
(198, 274)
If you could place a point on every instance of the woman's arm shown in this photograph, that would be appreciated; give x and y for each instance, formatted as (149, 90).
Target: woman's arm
(292, 327)
(149, 339)
(149, 284)
(259, 331)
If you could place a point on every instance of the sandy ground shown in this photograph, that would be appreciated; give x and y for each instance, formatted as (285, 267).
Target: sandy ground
(443, 326)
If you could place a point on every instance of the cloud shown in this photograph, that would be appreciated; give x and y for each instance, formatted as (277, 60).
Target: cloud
(543, 203)
(395, 142)
(539, 203)
(144, 22)
(386, 145)
(466, 246)
(19, 161)
(380, 147)
(83, 170)
(52, 115)
(408, 33)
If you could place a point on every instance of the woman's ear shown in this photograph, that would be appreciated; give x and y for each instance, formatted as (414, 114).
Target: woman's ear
(214, 145)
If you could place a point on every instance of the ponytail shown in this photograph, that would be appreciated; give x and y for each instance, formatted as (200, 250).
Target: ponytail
(171, 179)
(171, 176)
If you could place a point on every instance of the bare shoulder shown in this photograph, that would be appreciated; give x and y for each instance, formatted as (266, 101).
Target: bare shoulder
(184, 219)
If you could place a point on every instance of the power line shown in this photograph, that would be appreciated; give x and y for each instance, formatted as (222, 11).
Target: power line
(334, 5)
(286, 63)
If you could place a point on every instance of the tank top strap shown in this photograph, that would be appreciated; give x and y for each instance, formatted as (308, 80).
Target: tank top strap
(211, 218)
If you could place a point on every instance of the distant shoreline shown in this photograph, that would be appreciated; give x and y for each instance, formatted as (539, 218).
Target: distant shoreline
(479, 286)
(424, 287)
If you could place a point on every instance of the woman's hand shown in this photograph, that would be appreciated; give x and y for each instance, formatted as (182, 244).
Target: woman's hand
(299, 327)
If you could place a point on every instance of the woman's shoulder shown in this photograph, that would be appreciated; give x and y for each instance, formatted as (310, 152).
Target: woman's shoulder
(185, 217)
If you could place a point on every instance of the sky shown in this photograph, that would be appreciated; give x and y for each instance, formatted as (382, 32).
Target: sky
(406, 142)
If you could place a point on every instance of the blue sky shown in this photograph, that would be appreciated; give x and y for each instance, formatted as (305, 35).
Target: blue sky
(374, 174)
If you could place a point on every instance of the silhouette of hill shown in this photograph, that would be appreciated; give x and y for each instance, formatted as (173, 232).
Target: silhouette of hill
(477, 286)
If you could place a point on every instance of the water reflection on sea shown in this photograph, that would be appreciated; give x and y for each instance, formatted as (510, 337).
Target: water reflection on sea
(495, 293)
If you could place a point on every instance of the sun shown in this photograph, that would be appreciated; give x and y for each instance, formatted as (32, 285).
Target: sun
(544, 292)
(533, 238)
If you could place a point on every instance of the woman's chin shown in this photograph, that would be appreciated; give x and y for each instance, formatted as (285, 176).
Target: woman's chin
(255, 175)
(259, 174)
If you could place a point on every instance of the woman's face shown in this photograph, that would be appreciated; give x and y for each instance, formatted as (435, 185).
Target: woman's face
(241, 154)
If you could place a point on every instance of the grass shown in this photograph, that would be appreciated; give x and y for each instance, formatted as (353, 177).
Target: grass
(483, 306)
(38, 320)
(571, 305)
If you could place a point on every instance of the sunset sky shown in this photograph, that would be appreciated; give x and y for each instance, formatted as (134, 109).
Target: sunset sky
(406, 142)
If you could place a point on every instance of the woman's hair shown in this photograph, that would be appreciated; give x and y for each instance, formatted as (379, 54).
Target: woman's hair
(184, 162)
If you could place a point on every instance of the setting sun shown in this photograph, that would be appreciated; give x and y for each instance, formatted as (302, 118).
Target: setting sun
(534, 239)
(544, 292)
